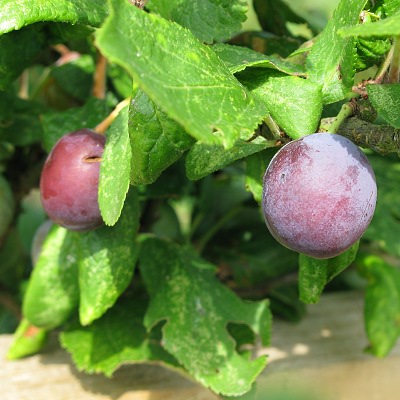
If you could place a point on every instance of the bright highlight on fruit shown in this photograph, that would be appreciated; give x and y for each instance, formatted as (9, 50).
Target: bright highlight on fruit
(70, 179)
(319, 195)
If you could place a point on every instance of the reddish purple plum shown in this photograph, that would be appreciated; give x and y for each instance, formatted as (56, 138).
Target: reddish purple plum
(70, 179)
(319, 195)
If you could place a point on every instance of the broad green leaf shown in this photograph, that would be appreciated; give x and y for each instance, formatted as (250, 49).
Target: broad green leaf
(331, 59)
(386, 101)
(386, 27)
(256, 166)
(117, 338)
(58, 124)
(16, 14)
(17, 51)
(197, 308)
(384, 229)
(27, 340)
(209, 20)
(294, 103)
(315, 274)
(107, 260)
(53, 292)
(382, 303)
(239, 58)
(204, 159)
(182, 76)
(157, 141)
(115, 169)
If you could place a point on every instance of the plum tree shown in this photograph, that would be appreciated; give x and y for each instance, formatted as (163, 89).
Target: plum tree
(70, 178)
(319, 195)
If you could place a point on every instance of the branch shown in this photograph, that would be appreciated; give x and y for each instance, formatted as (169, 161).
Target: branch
(383, 139)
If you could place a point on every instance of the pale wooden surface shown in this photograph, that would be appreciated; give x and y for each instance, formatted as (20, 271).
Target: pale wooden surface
(323, 353)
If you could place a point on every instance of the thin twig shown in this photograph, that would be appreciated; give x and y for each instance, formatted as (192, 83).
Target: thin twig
(99, 78)
(345, 112)
(273, 127)
(104, 125)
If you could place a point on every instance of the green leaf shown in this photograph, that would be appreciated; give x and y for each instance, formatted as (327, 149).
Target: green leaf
(58, 124)
(197, 308)
(17, 51)
(16, 14)
(53, 292)
(107, 260)
(386, 101)
(382, 303)
(182, 76)
(204, 159)
(19, 121)
(385, 27)
(331, 59)
(294, 103)
(117, 338)
(239, 58)
(370, 51)
(384, 229)
(209, 20)
(256, 166)
(391, 6)
(274, 16)
(76, 77)
(27, 340)
(115, 169)
(315, 274)
(157, 141)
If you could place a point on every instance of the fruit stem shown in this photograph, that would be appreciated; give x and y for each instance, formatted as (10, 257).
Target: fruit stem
(394, 70)
(105, 124)
(273, 127)
(345, 112)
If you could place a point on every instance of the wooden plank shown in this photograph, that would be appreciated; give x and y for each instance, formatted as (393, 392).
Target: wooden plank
(323, 353)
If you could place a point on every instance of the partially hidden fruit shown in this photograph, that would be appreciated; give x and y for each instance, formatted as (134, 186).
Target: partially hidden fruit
(70, 179)
(319, 195)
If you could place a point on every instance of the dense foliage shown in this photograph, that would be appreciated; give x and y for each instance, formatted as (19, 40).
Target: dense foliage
(194, 105)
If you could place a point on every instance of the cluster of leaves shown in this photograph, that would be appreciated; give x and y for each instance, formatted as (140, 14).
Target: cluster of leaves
(184, 272)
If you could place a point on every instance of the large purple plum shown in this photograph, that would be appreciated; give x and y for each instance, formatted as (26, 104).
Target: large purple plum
(319, 195)
(70, 179)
